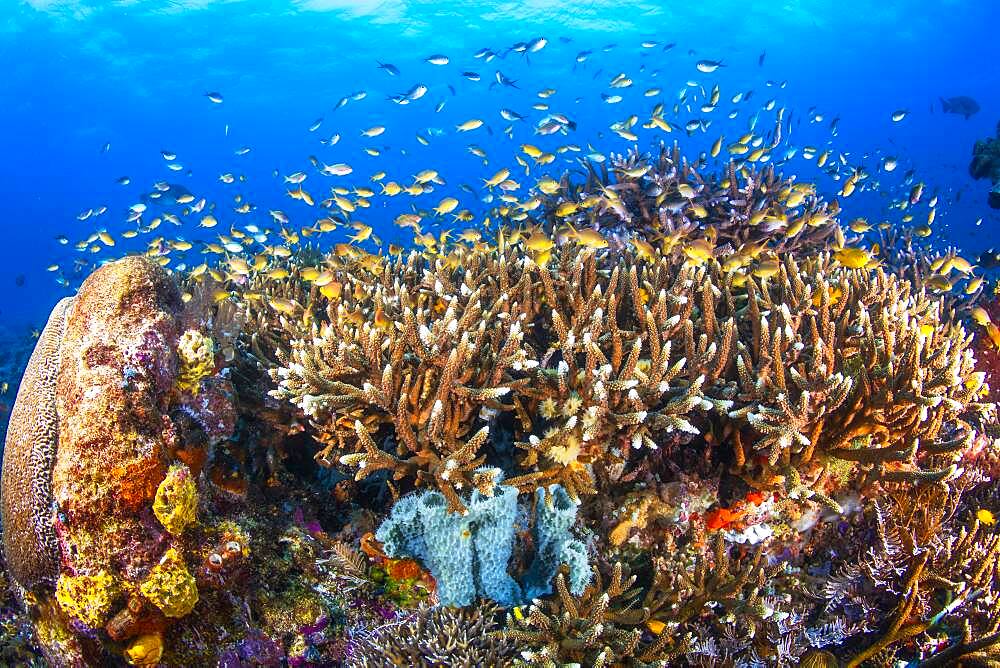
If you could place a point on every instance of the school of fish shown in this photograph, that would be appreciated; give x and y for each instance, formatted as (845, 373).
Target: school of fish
(527, 140)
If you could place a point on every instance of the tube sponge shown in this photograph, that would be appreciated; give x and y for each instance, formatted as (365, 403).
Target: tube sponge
(468, 554)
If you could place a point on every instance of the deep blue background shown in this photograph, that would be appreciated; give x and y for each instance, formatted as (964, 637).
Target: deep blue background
(80, 73)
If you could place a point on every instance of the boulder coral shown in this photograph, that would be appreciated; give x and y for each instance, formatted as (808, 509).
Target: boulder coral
(29, 541)
(117, 366)
(92, 495)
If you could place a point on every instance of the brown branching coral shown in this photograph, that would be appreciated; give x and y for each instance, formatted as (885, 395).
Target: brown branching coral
(579, 629)
(869, 379)
(428, 369)
(438, 636)
(643, 622)
(599, 356)
(927, 569)
(667, 198)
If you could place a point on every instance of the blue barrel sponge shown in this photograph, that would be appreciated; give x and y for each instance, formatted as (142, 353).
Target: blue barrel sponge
(420, 527)
(468, 554)
(555, 513)
(402, 533)
(493, 543)
(448, 538)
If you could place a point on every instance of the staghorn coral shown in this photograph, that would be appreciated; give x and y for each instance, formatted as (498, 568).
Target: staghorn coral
(434, 636)
(582, 629)
(950, 568)
(654, 618)
(814, 365)
(813, 385)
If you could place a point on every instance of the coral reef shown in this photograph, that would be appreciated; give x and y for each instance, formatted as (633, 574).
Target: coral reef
(667, 200)
(664, 417)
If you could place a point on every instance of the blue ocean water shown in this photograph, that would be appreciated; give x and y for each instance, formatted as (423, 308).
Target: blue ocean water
(94, 90)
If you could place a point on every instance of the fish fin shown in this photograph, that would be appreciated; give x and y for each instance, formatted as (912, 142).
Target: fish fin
(944, 105)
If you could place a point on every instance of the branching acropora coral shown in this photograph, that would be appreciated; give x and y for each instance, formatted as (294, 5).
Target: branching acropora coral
(600, 356)
(176, 501)
(438, 636)
(581, 629)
